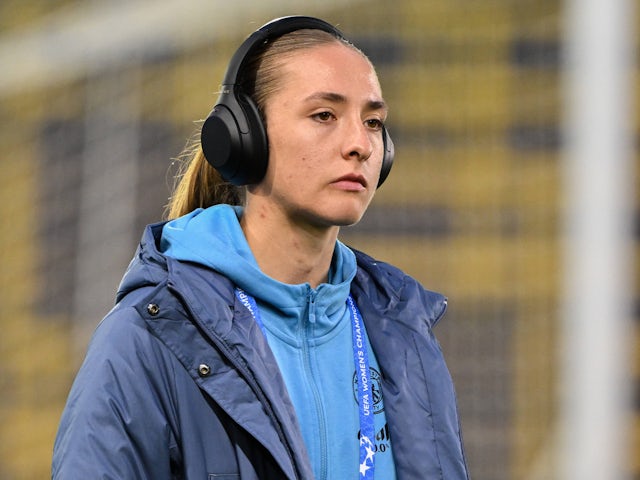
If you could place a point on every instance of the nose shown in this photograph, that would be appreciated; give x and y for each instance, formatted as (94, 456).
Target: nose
(358, 141)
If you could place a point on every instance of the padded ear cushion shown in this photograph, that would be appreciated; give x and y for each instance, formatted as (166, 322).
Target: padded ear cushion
(387, 158)
(234, 139)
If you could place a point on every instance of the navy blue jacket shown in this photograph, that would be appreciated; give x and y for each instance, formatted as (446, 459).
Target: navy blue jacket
(179, 382)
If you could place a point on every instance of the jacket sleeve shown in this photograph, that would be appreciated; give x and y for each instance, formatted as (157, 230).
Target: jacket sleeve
(117, 421)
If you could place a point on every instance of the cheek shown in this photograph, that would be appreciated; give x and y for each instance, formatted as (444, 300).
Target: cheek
(375, 165)
(295, 154)
(296, 168)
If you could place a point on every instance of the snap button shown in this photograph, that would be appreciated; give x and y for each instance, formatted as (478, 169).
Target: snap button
(153, 309)
(204, 370)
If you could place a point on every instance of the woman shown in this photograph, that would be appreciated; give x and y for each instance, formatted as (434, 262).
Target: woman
(247, 340)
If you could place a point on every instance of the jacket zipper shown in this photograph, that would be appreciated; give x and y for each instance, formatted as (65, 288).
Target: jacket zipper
(248, 376)
(313, 385)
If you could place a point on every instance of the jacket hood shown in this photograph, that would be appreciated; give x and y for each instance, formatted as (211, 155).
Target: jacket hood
(148, 267)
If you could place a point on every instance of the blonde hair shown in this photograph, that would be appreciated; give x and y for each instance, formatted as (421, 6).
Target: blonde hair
(197, 183)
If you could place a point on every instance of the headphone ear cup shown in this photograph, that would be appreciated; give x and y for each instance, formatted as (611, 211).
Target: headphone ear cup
(234, 139)
(387, 158)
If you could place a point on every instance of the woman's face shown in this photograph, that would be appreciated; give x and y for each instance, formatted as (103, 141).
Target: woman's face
(324, 125)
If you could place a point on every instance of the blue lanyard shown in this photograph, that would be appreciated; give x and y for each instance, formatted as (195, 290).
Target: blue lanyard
(365, 404)
(361, 362)
(250, 304)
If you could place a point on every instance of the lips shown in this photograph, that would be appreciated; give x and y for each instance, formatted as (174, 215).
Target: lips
(352, 182)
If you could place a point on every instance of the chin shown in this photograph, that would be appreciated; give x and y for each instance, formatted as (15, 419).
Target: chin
(346, 215)
(334, 220)
(341, 213)
(347, 219)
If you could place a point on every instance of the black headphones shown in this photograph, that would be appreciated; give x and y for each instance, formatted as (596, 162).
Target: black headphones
(233, 137)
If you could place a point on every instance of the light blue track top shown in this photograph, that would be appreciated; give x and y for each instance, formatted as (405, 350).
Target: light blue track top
(309, 332)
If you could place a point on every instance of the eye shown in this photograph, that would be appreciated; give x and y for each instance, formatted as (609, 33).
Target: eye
(323, 116)
(374, 124)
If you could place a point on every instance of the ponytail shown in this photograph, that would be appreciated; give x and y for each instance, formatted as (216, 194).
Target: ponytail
(199, 185)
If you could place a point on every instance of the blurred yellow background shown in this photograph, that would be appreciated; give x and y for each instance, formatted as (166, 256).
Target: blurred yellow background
(100, 96)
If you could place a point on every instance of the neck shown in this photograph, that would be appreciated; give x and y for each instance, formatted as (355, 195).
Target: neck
(288, 252)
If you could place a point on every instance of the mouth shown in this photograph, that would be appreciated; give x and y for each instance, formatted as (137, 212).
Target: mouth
(351, 182)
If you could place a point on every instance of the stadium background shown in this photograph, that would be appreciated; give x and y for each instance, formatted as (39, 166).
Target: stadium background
(472, 206)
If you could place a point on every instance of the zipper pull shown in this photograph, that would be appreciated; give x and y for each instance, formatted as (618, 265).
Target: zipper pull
(312, 306)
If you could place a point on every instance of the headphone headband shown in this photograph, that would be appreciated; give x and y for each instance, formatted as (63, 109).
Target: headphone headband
(270, 31)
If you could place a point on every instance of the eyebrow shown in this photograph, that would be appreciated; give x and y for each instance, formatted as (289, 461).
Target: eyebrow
(339, 98)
